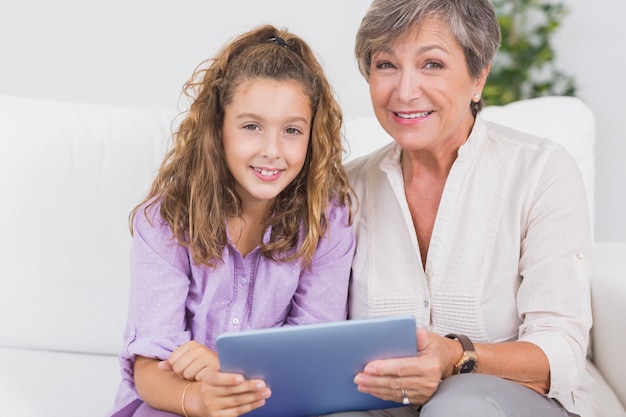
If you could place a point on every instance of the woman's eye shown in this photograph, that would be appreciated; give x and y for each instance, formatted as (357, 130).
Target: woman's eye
(384, 65)
(433, 65)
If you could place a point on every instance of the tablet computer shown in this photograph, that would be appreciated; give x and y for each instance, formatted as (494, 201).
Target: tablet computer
(311, 368)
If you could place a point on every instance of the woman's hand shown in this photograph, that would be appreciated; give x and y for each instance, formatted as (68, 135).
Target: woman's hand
(189, 360)
(230, 395)
(419, 375)
(519, 361)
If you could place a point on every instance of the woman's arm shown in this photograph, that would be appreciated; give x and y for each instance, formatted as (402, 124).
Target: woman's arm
(522, 362)
(553, 300)
(519, 361)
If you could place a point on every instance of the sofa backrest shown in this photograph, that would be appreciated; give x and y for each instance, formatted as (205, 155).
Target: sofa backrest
(70, 175)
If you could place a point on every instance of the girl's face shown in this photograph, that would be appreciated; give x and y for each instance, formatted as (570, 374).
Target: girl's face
(266, 135)
(421, 89)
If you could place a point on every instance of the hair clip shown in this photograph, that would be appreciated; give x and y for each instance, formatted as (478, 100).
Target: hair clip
(279, 41)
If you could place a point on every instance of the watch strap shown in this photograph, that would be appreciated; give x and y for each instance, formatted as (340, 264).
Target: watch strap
(467, 344)
(468, 361)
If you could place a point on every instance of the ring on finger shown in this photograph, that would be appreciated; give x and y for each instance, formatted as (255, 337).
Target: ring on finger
(405, 397)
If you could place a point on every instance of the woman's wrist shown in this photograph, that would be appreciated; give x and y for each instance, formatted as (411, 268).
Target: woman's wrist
(454, 351)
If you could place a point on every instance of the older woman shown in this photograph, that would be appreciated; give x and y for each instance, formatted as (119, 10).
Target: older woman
(479, 231)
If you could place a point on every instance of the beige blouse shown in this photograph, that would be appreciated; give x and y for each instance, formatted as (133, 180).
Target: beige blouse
(509, 257)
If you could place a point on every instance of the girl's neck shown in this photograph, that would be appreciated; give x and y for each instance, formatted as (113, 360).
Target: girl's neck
(246, 231)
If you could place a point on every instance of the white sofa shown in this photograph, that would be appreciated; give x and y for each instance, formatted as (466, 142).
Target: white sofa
(69, 176)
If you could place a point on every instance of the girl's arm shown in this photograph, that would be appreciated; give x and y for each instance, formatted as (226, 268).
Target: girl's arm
(322, 291)
(214, 393)
(163, 390)
(189, 360)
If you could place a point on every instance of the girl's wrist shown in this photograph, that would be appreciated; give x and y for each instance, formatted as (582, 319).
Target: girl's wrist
(192, 400)
(183, 400)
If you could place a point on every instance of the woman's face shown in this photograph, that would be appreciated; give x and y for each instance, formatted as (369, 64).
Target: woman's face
(266, 137)
(421, 90)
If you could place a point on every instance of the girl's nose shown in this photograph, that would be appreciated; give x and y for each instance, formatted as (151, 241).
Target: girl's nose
(271, 144)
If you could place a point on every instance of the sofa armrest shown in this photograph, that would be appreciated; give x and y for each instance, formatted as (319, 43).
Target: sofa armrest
(608, 295)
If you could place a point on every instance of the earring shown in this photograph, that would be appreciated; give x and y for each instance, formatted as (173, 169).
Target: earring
(476, 97)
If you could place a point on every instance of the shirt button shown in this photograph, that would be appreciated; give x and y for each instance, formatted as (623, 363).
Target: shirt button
(235, 321)
(579, 255)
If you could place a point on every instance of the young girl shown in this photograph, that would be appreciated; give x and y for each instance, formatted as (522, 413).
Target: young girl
(246, 226)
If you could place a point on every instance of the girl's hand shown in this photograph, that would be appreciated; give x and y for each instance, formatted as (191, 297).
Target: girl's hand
(230, 395)
(189, 360)
(419, 375)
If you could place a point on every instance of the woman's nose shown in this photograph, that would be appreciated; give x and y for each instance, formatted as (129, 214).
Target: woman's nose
(409, 86)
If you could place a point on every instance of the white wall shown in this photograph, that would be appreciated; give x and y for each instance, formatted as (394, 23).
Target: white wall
(591, 46)
(140, 52)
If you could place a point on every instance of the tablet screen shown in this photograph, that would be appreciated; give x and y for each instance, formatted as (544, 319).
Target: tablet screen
(311, 368)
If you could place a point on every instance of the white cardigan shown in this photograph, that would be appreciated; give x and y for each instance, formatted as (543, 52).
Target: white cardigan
(509, 257)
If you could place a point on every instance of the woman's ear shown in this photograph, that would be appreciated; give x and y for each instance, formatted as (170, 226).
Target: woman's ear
(482, 79)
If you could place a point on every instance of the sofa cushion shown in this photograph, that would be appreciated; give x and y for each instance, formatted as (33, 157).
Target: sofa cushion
(69, 176)
(608, 293)
(67, 384)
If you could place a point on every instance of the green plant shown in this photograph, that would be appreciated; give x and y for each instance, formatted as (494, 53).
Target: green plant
(524, 66)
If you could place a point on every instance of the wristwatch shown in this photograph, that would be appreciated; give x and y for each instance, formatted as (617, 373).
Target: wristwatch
(469, 359)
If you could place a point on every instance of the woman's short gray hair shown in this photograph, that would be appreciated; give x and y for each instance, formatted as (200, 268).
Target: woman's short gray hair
(472, 22)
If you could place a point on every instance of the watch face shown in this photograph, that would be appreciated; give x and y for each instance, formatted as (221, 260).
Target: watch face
(467, 366)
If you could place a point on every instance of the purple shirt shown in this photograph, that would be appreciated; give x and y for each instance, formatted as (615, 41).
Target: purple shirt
(173, 301)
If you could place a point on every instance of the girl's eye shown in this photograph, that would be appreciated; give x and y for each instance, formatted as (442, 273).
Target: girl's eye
(293, 131)
(251, 126)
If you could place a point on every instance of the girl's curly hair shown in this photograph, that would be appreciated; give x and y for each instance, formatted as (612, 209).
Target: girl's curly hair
(194, 186)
